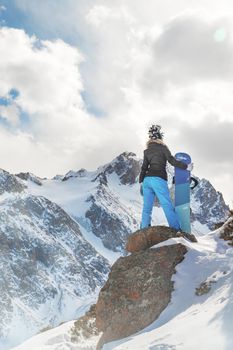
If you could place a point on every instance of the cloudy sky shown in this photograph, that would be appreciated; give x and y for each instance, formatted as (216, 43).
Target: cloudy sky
(82, 80)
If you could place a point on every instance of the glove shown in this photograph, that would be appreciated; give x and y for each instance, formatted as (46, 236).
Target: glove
(190, 167)
(193, 183)
(141, 190)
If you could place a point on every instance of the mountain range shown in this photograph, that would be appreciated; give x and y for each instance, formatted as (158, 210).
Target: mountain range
(60, 236)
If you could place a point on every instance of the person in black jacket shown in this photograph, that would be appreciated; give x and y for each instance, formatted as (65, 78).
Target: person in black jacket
(153, 175)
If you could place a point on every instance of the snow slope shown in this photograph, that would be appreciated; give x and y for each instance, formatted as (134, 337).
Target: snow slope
(189, 322)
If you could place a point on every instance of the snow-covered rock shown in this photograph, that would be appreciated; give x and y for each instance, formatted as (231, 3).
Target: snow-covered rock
(10, 183)
(31, 177)
(80, 173)
(207, 204)
(110, 219)
(126, 166)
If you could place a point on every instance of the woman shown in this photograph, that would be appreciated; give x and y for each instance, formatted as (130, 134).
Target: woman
(154, 177)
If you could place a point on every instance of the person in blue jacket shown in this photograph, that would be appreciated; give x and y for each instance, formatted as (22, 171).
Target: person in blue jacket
(153, 177)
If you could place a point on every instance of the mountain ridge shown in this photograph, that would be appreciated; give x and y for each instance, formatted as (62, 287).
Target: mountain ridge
(40, 216)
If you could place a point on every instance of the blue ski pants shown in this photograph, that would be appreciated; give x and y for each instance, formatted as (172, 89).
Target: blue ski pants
(156, 186)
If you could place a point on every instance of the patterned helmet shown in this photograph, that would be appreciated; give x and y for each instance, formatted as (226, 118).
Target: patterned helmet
(155, 133)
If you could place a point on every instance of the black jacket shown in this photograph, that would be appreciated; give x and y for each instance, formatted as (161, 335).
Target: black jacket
(155, 160)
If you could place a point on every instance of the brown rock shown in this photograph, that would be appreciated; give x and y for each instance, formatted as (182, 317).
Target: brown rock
(204, 287)
(226, 231)
(85, 327)
(148, 237)
(218, 225)
(137, 291)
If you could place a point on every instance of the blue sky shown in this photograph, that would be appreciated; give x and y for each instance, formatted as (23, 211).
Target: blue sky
(95, 74)
(16, 17)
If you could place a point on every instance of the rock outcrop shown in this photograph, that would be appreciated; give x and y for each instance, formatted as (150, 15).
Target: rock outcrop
(226, 231)
(138, 289)
(85, 327)
(148, 237)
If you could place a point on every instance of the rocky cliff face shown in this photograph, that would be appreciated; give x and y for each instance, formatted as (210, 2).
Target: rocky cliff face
(110, 219)
(226, 230)
(207, 205)
(46, 266)
(10, 183)
(31, 177)
(126, 166)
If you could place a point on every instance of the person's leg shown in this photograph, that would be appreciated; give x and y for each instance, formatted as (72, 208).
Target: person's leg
(161, 190)
(148, 201)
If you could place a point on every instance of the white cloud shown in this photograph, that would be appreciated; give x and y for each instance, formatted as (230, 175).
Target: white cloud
(189, 50)
(98, 14)
(10, 114)
(47, 76)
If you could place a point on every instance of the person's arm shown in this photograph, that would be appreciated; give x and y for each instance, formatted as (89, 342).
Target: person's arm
(173, 161)
(144, 168)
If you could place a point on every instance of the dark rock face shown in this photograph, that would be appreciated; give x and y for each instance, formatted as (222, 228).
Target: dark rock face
(125, 166)
(207, 205)
(10, 183)
(74, 174)
(31, 177)
(112, 226)
(226, 231)
(138, 289)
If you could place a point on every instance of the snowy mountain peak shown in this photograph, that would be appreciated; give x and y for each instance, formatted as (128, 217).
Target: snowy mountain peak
(208, 205)
(31, 177)
(126, 166)
(73, 174)
(10, 183)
